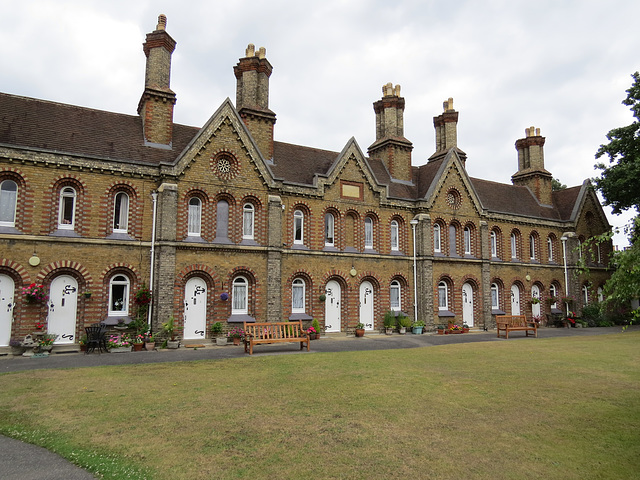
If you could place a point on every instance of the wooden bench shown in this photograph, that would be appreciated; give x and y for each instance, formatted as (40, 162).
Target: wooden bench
(276, 332)
(515, 323)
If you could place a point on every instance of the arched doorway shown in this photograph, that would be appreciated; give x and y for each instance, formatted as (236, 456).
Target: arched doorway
(515, 300)
(535, 300)
(366, 305)
(7, 289)
(195, 308)
(63, 305)
(332, 320)
(467, 304)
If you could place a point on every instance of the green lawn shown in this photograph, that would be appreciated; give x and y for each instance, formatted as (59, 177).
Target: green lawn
(563, 408)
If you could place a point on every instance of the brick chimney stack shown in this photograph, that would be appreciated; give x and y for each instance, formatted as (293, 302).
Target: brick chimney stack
(446, 128)
(252, 97)
(531, 172)
(157, 101)
(390, 146)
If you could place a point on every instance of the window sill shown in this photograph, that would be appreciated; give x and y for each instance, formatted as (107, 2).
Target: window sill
(240, 317)
(299, 246)
(65, 233)
(446, 313)
(300, 316)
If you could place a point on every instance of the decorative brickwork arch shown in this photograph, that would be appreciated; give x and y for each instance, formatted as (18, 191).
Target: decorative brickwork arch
(135, 284)
(339, 277)
(214, 288)
(352, 232)
(259, 219)
(134, 229)
(255, 288)
(403, 243)
(338, 238)
(206, 215)
(499, 242)
(82, 204)
(310, 300)
(308, 235)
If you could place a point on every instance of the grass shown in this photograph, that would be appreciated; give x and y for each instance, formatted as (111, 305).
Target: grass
(564, 408)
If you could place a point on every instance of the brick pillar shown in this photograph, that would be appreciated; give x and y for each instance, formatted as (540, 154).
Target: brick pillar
(485, 294)
(424, 269)
(274, 260)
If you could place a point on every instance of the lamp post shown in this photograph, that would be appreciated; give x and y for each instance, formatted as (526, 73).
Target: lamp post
(413, 223)
(564, 239)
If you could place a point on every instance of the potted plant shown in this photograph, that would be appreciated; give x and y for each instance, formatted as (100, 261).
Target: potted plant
(224, 296)
(34, 293)
(149, 342)
(16, 347)
(45, 342)
(119, 343)
(216, 332)
(389, 322)
(168, 328)
(121, 325)
(236, 334)
(316, 324)
(311, 332)
(83, 343)
(322, 297)
(440, 329)
(416, 327)
(455, 328)
(138, 342)
(404, 322)
(87, 294)
(360, 330)
(465, 328)
(39, 326)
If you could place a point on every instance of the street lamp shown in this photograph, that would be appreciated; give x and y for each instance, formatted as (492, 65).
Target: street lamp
(413, 223)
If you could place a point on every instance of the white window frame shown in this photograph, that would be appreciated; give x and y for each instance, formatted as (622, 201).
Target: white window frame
(395, 236)
(248, 221)
(67, 194)
(194, 221)
(240, 296)
(585, 295)
(553, 291)
(368, 233)
(329, 229)
(119, 280)
(121, 213)
(495, 296)
(443, 296)
(298, 296)
(8, 203)
(532, 247)
(550, 248)
(600, 294)
(298, 227)
(514, 246)
(467, 241)
(493, 237)
(437, 238)
(395, 296)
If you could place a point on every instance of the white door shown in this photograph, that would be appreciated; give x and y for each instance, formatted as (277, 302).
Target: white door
(515, 300)
(195, 308)
(332, 307)
(467, 304)
(7, 288)
(535, 307)
(63, 303)
(366, 305)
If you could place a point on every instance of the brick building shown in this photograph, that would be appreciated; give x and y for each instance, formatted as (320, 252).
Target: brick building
(103, 203)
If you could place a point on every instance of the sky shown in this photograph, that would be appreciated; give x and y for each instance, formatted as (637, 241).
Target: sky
(561, 66)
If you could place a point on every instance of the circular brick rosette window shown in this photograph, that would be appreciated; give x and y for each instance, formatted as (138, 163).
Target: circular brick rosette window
(225, 165)
(454, 199)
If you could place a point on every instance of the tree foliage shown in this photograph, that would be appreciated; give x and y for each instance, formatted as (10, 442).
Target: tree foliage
(619, 180)
(557, 185)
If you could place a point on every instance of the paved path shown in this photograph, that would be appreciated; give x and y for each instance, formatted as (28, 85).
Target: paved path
(22, 461)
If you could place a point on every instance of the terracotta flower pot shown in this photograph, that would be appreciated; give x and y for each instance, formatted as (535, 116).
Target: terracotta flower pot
(359, 332)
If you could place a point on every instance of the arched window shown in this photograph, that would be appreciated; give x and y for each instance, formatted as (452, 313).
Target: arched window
(298, 227)
(495, 297)
(514, 246)
(195, 217)
(437, 239)
(121, 213)
(298, 296)
(453, 233)
(600, 294)
(329, 230)
(532, 247)
(395, 236)
(368, 233)
(585, 295)
(222, 222)
(8, 201)
(494, 244)
(443, 296)
(395, 292)
(550, 248)
(467, 241)
(248, 215)
(67, 208)
(553, 291)
(240, 296)
(119, 295)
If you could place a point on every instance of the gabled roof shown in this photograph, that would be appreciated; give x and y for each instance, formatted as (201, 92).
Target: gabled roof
(298, 164)
(43, 125)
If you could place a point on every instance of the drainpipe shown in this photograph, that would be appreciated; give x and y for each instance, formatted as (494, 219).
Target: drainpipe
(154, 198)
(564, 239)
(413, 223)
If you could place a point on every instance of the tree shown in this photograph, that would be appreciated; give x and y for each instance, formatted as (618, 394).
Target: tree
(619, 180)
(557, 185)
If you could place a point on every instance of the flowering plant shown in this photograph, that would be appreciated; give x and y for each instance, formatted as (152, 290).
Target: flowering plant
(47, 339)
(236, 333)
(116, 341)
(149, 337)
(143, 296)
(34, 293)
(39, 325)
(138, 339)
(571, 316)
(455, 328)
(224, 296)
(311, 330)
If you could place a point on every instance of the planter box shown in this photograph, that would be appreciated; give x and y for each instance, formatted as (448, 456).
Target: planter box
(221, 341)
(120, 349)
